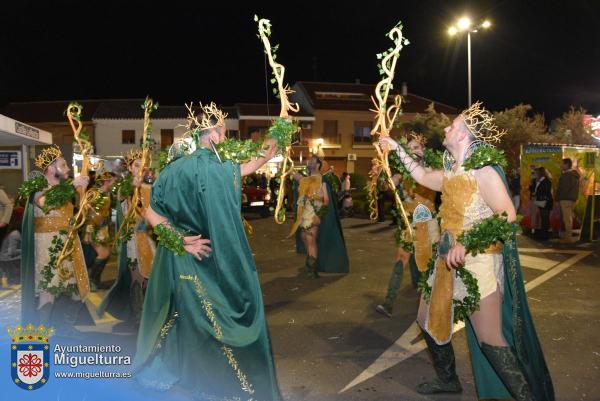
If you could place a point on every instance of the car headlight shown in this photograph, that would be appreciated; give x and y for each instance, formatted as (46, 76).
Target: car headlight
(267, 197)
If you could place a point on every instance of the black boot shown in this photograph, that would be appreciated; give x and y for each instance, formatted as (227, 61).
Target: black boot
(445, 367)
(96, 273)
(507, 366)
(393, 286)
(311, 266)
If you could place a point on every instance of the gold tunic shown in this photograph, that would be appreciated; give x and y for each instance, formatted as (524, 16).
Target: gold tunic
(73, 271)
(462, 207)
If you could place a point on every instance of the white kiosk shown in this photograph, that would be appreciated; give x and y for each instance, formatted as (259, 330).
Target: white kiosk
(14, 133)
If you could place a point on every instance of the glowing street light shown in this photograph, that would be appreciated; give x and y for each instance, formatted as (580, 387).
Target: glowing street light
(464, 24)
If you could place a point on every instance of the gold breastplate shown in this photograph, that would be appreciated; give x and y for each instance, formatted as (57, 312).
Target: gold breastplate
(58, 219)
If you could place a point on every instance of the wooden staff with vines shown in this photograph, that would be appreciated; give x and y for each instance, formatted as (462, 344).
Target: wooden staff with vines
(135, 209)
(87, 198)
(385, 116)
(282, 127)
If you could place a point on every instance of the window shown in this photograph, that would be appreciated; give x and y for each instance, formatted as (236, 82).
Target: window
(362, 131)
(166, 138)
(330, 131)
(128, 136)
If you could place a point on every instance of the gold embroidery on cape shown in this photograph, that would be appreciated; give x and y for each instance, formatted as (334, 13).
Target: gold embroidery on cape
(227, 352)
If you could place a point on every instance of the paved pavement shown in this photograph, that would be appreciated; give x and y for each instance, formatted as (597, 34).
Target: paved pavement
(330, 344)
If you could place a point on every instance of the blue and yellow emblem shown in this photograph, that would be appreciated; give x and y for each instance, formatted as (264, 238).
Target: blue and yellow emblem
(30, 355)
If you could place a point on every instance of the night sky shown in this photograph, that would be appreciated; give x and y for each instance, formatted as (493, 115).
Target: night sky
(545, 53)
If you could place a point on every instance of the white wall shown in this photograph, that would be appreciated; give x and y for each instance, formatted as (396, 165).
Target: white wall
(108, 133)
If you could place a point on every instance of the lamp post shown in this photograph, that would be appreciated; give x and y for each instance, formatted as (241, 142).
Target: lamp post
(464, 25)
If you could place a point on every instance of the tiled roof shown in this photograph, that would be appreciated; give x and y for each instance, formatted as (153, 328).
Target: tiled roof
(357, 97)
(257, 109)
(47, 112)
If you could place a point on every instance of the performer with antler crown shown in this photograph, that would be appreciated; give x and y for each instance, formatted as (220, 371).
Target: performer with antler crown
(476, 275)
(125, 298)
(97, 232)
(203, 326)
(420, 203)
(52, 289)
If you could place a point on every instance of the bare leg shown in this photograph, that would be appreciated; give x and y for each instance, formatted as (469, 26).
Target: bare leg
(487, 321)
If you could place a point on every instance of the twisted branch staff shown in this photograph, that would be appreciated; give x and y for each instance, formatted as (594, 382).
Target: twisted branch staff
(385, 117)
(136, 206)
(86, 197)
(264, 31)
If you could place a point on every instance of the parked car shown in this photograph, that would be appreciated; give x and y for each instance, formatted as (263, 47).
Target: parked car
(257, 200)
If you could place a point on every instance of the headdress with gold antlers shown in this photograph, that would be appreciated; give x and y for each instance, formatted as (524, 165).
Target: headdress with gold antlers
(103, 176)
(418, 138)
(211, 117)
(30, 333)
(48, 156)
(480, 123)
(133, 155)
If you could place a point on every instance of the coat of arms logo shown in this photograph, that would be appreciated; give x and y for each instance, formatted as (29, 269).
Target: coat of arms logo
(30, 355)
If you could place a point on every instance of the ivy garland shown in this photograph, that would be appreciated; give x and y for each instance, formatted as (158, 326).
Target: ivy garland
(32, 186)
(238, 152)
(58, 195)
(163, 160)
(433, 158)
(170, 238)
(462, 308)
(123, 187)
(476, 241)
(485, 156)
(487, 232)
(51, 269)
(401, 233)
(283, 130)
(397, 167)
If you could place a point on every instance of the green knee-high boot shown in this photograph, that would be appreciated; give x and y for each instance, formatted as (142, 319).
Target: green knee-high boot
(507, 366)
(96, 273)
(445, 367)
(311, 266)
(393, 286)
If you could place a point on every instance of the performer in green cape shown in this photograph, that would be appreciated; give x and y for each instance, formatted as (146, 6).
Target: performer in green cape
(125, 298)
(477, 274)
(412, 255)
(203, 326)
(318, 225)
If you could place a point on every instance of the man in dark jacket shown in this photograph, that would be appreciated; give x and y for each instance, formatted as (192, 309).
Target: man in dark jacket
(566, 195)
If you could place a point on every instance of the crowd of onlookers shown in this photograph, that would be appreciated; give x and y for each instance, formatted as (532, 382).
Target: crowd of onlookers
(11, 216)
(544, 198)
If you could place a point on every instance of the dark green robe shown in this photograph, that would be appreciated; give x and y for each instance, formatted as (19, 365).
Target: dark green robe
(203, 324)
(332, 256)
(28, 300)
(518, 330)
(117, 300)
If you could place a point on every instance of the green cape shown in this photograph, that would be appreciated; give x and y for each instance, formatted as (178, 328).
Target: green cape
(203, 325)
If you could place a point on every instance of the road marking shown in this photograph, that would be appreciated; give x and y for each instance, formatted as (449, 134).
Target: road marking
(534, 262)
(407, 346)
(10, 290)
(92, 302)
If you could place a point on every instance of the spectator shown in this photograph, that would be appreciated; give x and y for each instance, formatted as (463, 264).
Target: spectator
(515, 189)
(345, 197)
(566, 195)
(543, 201)
(263, 181)
(6, 208)
(10, 250)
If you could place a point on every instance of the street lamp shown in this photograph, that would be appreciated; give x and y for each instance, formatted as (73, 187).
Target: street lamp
(464, 24)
